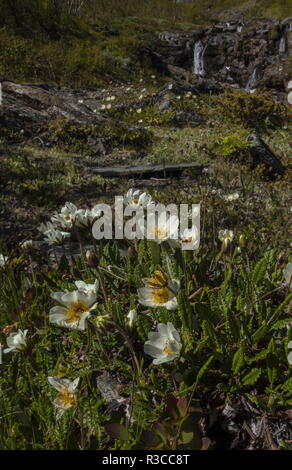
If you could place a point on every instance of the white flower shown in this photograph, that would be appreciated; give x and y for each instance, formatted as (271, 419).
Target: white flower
(26, 244)
(108, 98)
(162, 227)
(80, 101)
(188, 94)
(109, 106)
(139, 110)
(135, 198)
(153, 76)
(85, 217)
(16, 341)
(190, 239)
(178, 97)
(132, 316)
(226, 235)
(140, 120)
(103, 106)
(160, 291)
(231, 197)
(287, 273)
(112, 98)
(67, 396)
(67, 216)
(290, 353)
(87, 288)
(141, 97)
(74, 308)
(164, 345)
(143, 90)
(170, 87)
(45, 227)
(3, 260)
(55, 237)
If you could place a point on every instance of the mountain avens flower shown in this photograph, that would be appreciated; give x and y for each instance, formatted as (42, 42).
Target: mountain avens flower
(231, 197)
(160, 291)
(45, 227)
(136, 198)
(74, 308)
(190, 239)
(66, 217)
(3, 260)
(164, 345)
(132, 316)
(85, 217)
(162, 227)
(55, 237)
(87, 288)
(67, 393)
(16, 341)
(226, 237)
(26, 245)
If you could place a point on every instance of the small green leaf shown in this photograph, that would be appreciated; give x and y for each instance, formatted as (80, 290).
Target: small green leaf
(238, 360)
(252, 377)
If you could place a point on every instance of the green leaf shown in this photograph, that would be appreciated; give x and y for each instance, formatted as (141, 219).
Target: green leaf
(259, 271)
(281, 323)
(272, 369)
(252, 377)
(186, 437)
(260, 333)
(288, 385)
(204, 369)
(238, 360)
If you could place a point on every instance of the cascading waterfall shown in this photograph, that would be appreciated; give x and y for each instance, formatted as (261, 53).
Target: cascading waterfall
(252, 81)
(282, 45)
(199, 64)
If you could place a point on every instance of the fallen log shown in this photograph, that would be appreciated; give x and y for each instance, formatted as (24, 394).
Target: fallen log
(147, 170)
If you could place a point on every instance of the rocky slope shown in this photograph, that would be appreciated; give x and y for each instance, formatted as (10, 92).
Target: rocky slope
(242, 55)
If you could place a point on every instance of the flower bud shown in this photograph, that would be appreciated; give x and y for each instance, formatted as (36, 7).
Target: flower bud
(242, 241)
(91, 259)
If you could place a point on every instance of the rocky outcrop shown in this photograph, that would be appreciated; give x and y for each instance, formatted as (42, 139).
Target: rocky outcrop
(241, 55)
(30, 108)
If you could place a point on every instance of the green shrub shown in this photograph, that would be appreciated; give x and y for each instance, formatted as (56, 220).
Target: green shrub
(253, 110)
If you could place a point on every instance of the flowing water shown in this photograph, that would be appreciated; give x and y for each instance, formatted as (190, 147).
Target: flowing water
(199, 63)
(252, 81)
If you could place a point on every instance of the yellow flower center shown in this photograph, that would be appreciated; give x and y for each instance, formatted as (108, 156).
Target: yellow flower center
(160, 232)
(158, 279)
(66, 398)
(167, 348)
(161, 296)
(74, 311)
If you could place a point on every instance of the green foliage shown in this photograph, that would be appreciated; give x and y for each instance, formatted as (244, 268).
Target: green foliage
(254, 110)
(231, 144)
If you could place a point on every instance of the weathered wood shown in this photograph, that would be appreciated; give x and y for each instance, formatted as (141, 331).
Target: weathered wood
(147, 169)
